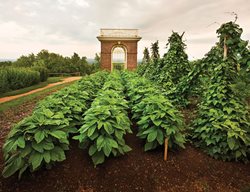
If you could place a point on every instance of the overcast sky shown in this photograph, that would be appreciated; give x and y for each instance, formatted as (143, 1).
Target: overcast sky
(67, 26)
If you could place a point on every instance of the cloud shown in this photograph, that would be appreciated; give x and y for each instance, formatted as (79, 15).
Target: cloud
(67, 26)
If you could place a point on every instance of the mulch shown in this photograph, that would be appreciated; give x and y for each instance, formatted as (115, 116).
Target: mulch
(185, 170)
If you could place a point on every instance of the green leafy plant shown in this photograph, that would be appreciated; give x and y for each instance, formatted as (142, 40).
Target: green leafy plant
(175, 61)
(170, 70)
(106, 123)
(151, 66)
(156, 117)
(237, 52)
(37, 140)
(42, 138)
(241, 84)
(44, 74)
(222, 128)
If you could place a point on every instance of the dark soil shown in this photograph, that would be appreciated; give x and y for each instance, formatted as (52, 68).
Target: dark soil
(186, 170)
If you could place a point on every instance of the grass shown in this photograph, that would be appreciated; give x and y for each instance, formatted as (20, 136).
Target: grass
(21, 100)
(27, 89)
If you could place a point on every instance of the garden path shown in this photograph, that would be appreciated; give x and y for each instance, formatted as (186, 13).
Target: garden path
(66, 80)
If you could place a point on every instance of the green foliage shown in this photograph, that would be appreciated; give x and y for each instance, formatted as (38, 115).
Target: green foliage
(56, 63)
(199, 77)
(43, 72)
(74, 100)
(146, 57)
(155, 55)
(106, 122)
(175, 61)
(93, 83)
(156, 117)
(5, 63)
(42, 138)
(12, 78)
(173, 68)
(230, 34)
(142, 67)
(241, 85)
(118, 66)
(97, 62)
(77, 64)
(25, 61)
(38, 139)
(222, 128)
(169, 71)
(23, 72)
(70, 101)
(149, 69)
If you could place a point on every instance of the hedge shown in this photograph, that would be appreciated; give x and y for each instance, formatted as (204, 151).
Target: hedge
(12, 78)
(44, 72)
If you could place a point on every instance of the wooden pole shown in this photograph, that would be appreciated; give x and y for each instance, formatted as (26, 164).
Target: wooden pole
(166, 149)
(225, 49)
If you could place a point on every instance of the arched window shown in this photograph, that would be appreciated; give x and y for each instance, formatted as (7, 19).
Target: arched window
(119, 58)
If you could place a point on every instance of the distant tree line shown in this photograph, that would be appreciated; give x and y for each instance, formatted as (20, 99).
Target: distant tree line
(55, 63)
(32, 69)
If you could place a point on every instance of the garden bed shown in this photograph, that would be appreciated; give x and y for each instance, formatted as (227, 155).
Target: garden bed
(186, 170)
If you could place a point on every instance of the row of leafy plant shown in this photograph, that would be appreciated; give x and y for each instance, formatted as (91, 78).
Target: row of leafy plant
(106, 122)
(42, 138)
(222, 128)
(169, 70)
(220, 80)
(154, 114)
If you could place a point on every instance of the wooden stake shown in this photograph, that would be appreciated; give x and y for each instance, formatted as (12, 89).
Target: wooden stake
(225, 49)
(166, 149)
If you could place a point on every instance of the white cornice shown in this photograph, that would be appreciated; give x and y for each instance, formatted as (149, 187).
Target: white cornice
(101, 38)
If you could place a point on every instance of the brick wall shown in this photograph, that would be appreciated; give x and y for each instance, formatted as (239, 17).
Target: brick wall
(106, 48)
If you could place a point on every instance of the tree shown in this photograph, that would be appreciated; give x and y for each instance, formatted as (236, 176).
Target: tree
(25, 61)
(97, 61)
(5, 63)
(47, 62)
(85, 67)
(146, 57)
(155, 51)
(43, 55)
(75, 63)
(142, 67)
(150, 70)
(39, 63)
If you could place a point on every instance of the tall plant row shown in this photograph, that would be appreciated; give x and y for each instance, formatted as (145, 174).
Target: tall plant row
(222, 128)
(220, 81)
(170, 70)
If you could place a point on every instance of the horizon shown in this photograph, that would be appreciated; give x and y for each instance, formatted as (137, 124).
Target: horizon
(68, 26)
(90, 60)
